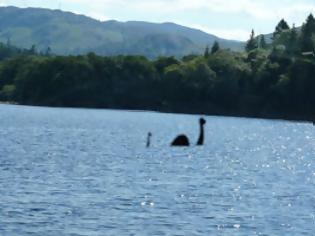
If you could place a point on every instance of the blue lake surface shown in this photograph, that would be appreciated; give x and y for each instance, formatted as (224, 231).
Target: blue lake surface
(87, 172)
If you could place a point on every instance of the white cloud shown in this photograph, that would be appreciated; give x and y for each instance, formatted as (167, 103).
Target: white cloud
(3, 3)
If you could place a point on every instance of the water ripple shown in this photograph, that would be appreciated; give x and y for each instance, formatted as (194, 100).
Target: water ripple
(87, 172)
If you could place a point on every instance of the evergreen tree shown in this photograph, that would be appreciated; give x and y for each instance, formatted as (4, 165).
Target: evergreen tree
(215, 47)
(308, 30)
(33, 50)
(292, 44)
(9, 42)
(252, 42)
(262, 42)
(48, 51)
(206, 54)
(310, 23)
(282, 25)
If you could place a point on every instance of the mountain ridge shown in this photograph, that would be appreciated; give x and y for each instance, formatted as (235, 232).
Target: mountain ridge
(70, 33)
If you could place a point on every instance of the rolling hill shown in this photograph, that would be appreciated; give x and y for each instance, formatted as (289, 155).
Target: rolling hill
(68, 33)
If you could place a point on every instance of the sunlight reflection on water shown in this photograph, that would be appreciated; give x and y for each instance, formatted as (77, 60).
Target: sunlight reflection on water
(87, 172)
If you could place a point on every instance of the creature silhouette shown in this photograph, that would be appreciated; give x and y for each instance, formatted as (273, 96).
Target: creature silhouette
(183, 141)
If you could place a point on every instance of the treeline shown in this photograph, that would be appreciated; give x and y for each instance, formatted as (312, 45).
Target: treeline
(9, 51)
(272, 78)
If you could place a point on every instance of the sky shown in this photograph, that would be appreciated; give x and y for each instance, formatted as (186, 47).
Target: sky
(231, 19)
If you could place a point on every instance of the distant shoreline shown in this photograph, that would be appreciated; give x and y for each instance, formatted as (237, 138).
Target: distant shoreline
(266, 117)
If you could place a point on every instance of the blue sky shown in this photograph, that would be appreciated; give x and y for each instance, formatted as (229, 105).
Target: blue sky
(232, 19)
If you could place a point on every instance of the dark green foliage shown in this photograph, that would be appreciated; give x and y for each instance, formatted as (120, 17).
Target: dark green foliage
(293, 42)
(163, 62)
(307, 35)
(206, 54)
(189, 57)
(215, 47)
(8, 51)
(262, 42)
(251, 43)
(275, 80)
(282, 26)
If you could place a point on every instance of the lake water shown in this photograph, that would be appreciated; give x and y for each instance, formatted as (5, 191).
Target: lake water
(87, 172)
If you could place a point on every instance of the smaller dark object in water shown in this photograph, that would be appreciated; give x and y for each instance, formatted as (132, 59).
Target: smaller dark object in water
(149, 139)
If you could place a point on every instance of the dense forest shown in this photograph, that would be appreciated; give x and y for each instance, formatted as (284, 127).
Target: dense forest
(272, 79)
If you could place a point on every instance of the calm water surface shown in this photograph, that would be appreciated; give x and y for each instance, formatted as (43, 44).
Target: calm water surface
(87, 172)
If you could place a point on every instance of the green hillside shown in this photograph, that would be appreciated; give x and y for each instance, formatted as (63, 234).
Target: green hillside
(68, 33)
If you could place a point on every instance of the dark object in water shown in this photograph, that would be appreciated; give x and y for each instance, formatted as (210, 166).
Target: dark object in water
(149, 139)
(183, 141)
